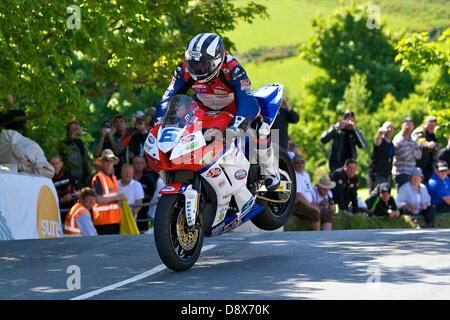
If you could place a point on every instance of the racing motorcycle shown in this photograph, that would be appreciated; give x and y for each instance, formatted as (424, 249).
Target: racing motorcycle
(210, 185)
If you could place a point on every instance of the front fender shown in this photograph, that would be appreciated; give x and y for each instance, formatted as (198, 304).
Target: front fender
(174, 188)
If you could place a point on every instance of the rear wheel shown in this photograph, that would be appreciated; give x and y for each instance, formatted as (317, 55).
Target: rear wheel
(276, 214)
(178, 246)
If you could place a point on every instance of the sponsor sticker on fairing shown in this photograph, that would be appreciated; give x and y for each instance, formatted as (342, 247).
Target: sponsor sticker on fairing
(168, 189)
(207, 157)
(241, 174)
(214, 172)
(188, 138)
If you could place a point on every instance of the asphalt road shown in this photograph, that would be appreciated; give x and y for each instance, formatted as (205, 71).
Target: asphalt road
(370, 264)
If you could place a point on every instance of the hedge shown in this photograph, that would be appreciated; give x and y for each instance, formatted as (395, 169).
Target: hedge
(361, 222)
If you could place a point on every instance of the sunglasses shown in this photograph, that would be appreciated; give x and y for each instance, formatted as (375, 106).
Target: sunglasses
(349, 114)
(108, 160)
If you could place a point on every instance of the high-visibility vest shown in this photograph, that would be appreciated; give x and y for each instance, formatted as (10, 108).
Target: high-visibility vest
(106, 213)
(71, 225)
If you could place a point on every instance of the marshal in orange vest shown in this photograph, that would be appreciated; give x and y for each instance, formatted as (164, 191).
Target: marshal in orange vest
(106, 213)
(70, 225)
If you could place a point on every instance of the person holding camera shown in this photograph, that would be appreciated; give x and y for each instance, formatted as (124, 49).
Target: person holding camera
(137, 141)
(382, 156)
(346, 137)
(107, 140)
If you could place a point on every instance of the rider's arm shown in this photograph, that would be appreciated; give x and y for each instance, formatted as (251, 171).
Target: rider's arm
(180, 84)
(246, 105)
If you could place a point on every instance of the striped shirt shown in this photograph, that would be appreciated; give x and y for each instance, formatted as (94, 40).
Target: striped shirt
(406, 153)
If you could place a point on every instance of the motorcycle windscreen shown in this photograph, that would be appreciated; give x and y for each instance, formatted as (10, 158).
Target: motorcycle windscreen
(180, 112)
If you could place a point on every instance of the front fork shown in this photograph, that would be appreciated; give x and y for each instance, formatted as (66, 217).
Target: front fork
(191, 193)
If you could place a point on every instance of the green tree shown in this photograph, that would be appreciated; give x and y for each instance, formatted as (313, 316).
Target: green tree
(122, 53)
(342, 45)
(417, 54)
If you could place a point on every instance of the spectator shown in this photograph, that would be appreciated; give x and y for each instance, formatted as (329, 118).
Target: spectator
(285, 116)
(148, 181)
(65, 185)
(131, 188)
(406, 153)
(136, 145)
(383, 153)
(439, 188)
(383, 204)
(444, 154)
(74, 154)
(107, 141)
(304, 196)
(293, 149)
(150, 117)
(107, 210)
(345, 138)
(121, 136)
(79, 221)
(426, 138)
(155, 199)
(323, 201)
(413, 198)
(346, 190)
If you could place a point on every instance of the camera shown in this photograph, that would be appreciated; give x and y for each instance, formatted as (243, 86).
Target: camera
(107, 125)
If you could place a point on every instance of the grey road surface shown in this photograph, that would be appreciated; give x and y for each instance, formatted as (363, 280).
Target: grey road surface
(369, 264)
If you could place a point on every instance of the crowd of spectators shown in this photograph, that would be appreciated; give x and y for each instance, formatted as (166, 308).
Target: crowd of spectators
(120, 173)
(411, 160)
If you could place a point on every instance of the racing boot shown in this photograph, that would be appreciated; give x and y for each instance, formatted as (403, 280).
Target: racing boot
(269, 168)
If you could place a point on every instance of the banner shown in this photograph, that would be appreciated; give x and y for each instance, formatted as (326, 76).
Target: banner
(28, 207)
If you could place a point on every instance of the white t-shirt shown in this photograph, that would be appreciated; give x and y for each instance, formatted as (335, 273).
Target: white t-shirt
(304, 185)
(317, 198)
(133, 191)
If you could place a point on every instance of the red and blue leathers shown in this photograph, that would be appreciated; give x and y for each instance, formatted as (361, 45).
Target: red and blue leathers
(230, 91)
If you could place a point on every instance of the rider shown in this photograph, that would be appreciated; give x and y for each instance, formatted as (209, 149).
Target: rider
(219, 83)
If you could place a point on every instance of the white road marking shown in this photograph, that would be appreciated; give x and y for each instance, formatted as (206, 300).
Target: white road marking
(138, 277)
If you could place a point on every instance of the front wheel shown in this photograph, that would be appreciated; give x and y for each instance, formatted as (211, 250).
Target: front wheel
(276, 213)
(178, 246)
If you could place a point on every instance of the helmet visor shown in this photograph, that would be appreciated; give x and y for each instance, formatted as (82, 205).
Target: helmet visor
(201, 68)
